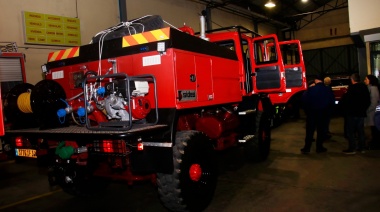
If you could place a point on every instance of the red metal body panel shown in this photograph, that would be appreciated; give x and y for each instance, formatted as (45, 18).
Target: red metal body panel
(233, 37)
(217, 80)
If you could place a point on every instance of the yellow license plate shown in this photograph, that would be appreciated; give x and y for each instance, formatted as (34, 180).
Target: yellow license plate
(30, 153)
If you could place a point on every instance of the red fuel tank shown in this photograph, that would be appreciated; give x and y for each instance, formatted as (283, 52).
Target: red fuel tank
(214, 125)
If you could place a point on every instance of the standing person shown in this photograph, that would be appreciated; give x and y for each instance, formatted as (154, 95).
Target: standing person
(316, 100)
(373, 87)
(355, 103)
(327, 82)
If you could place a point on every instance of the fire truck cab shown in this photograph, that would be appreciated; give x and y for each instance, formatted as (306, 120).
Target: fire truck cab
(268, 66)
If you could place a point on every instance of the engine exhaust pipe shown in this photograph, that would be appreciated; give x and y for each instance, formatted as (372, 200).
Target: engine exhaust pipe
(203, 28)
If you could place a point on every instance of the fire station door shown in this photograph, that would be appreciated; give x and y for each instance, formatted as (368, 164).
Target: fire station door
(267, 65)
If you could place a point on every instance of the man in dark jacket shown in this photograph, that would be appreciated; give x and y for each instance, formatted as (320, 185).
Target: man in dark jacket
(355, 103)
(317, 101)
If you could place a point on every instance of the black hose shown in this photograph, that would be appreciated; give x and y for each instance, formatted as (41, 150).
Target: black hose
(90, 72)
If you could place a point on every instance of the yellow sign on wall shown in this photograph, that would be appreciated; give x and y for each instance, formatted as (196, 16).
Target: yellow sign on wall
(51, 29)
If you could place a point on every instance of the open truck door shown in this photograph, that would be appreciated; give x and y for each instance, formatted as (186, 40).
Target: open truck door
(288, 104)
(295, 72)
(262, 68)
(268, 72)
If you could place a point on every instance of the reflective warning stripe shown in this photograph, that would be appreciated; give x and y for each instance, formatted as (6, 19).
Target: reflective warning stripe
(146, 37)
(63, 54)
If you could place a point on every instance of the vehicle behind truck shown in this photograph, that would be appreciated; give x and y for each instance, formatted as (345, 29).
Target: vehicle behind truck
(149, 102)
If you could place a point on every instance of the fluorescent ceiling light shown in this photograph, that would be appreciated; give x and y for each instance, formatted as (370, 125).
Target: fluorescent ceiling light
(270, 4)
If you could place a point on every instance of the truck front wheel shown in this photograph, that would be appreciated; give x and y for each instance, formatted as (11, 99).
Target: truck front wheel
(192, 184)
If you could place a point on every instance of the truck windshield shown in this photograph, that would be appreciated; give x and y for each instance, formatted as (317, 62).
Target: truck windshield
(290, 54)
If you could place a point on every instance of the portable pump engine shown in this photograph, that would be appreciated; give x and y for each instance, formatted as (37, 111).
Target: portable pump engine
(161, 102)
(115, 100)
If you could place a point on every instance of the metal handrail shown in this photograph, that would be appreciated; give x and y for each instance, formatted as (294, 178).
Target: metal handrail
(8, 46)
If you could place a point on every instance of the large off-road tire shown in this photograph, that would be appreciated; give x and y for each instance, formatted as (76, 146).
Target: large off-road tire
(192, 184)
(263, 136)
(258, 148)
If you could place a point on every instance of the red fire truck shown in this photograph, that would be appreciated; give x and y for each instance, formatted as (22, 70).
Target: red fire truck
(148, 102)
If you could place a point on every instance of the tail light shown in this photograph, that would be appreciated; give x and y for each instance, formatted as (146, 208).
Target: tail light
(110, 146)
(18, 141)
(140, 146)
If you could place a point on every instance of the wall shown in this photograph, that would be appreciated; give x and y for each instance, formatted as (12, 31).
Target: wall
(330, 29)
(364, 14)
(365, 27)
(178, 12)
(94, 15)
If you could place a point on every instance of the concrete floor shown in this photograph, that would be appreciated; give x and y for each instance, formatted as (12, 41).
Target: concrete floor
(287, 181)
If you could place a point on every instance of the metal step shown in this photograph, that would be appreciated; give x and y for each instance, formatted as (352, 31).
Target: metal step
(246, 138)
(246, 112)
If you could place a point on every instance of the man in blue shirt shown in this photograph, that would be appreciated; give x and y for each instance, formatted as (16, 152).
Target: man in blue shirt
(317, 101)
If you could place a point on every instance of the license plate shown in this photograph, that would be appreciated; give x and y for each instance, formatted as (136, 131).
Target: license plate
(30, 153)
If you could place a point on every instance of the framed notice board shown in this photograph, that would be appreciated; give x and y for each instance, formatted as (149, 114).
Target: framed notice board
(51, 29)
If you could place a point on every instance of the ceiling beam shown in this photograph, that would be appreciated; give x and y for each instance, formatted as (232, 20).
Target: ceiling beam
(312, 16)
(227, 6)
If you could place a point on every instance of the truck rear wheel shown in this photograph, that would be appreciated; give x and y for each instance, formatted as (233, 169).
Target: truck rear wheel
(263, 136)
(192, 184)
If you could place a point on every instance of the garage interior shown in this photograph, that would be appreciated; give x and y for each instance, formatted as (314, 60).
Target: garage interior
(338, 38)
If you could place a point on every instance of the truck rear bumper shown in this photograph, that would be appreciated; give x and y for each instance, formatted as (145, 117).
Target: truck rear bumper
(76, 132)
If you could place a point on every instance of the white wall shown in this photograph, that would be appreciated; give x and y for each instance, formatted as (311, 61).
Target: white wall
(364, 14)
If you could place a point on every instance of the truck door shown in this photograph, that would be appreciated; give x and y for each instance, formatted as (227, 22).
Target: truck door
(295, 73)
(268, 72)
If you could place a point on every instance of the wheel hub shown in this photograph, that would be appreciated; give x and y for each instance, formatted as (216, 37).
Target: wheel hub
(195, 172)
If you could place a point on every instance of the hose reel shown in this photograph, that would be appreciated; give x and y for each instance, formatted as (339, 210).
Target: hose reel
(31, 106)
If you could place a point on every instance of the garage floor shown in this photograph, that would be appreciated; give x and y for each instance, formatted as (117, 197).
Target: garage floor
(287, 181)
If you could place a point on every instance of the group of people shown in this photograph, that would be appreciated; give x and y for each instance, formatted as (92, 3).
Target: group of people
(358, 105)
